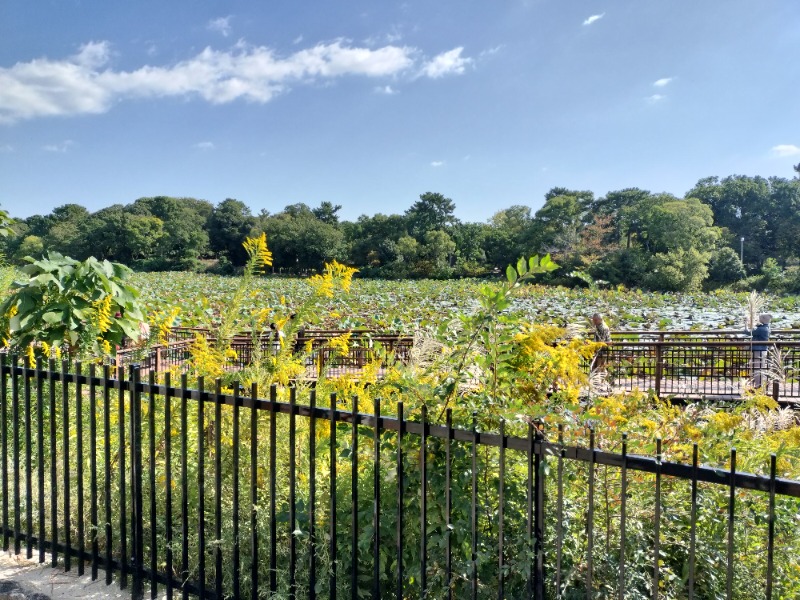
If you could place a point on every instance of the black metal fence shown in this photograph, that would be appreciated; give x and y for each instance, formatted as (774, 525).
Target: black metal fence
(222, 494)
(700, 368)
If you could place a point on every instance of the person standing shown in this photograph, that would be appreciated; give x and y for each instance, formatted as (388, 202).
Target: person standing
(601, 334)
(760, 334)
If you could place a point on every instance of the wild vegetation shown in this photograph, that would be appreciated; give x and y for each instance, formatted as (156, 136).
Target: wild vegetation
(494, 349)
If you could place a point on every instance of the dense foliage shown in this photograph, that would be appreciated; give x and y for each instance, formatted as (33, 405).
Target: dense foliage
(499, 354)
(735, 230)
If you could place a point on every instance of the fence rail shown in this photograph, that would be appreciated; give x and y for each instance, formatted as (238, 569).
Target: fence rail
(198, 492)
(685, 365)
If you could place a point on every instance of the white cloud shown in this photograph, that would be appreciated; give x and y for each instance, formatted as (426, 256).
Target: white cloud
(446, 63)
(491, 51)
(60, 147)
(6, 148)
(662, 82)
(386, 90)
(594, 18)
(437, 163)
(221, 25)
(655, 98)
(204, 146)
(86, 83)
(784, 150)
(297, 40)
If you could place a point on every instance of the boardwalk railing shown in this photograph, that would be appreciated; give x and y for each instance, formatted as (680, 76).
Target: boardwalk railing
(688, 364)
(228, 495)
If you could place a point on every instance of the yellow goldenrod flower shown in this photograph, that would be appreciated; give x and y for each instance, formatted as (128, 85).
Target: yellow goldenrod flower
(257, 250)
(103, 308)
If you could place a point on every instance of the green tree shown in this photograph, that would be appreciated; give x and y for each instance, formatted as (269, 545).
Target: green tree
(559, 223)
(300, 241)
(509, 236)
(326, 212)
(725, 266)
(184, 238)
(228, 226)
(431, 212)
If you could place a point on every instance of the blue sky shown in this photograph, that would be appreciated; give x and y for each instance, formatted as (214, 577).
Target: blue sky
(368, 104)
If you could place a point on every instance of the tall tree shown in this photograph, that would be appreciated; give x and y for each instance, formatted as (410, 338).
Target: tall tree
(326, 212)
(228, 226)
(431, 212)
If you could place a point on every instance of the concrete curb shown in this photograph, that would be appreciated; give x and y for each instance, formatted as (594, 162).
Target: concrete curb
(23, 579)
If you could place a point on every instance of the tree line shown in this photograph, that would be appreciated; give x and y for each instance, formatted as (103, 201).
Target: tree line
(737, 230)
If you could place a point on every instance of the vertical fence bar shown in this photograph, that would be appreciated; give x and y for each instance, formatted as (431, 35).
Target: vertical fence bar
(41, 453)
(123, 509)
(538, 516)
(354, 503)
(623, 497)
(693, 522)
(731, 523)
(168, 481)
(109, 546)
(54, 466)
(376, 506)
(79, 451)
(4, 449)
(590, 518)
(771, 530)
(332, 485)
(93, 467)
(657, 526)
(474, 507)
(15, 419)
(201, 488)
(137, 498)
(659, 374)
(65, 464)
(184, 484)
(218, 574)
(312, 498)
(151, 428)
(423, 508)
(292, 494)
(237, 569)
(29, 464)
(501, 579)
(273, 532)
(531, 562)
(560, 508)
(401, 424)
(253, 493)
(448, 504)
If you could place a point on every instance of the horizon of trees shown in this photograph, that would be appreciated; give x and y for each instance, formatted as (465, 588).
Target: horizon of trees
(632, 236)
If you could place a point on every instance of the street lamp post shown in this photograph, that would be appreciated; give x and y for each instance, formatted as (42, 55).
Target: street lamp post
(741, 249)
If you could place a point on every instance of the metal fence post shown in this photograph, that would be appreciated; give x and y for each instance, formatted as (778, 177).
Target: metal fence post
(137, 533)
(659, 369)
(538, 512)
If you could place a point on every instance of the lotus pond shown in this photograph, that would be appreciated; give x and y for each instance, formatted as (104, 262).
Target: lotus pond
(403, 306)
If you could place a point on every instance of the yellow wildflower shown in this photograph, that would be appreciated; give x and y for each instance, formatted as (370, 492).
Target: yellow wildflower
(103, 308)
(31, 355)
(340, 344)
(257, 250)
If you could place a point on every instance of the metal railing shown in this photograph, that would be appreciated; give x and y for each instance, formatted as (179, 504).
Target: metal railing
(686, 365)
(219, 495)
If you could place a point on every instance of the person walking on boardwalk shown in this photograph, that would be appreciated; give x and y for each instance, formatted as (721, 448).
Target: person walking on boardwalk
(601, 334)
(760, 334)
